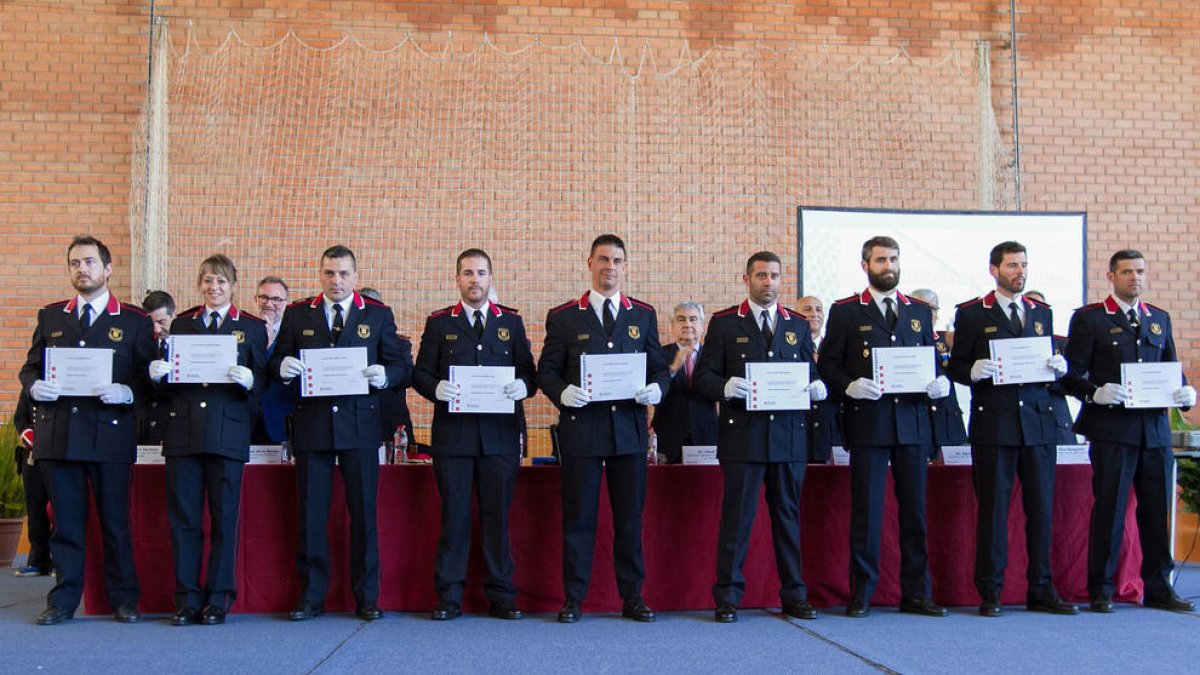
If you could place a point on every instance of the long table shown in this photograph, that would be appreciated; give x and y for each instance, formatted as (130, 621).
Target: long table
(680, 531)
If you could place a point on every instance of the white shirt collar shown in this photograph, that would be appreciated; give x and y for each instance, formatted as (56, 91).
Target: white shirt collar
(757, 311)
(1126, 307)
(878, 297)
(98, 303)
(1005, 300)
(329, 303)
(470, 312)
(222, 311)
(596, 300)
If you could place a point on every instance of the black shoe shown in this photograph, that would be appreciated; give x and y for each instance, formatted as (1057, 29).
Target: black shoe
(570, 612)
(505, 609)
(1102, 604)
(726, 613)
(369, 611)
(127, 614)
(52, 615)
(800, 610)
(212, 616)
(635, 608)
(858, 609)
(990, 606)
(1051, 605)
(922, 606)
(1174, 603)
(185, 617)
(446, 610)
(305, 611)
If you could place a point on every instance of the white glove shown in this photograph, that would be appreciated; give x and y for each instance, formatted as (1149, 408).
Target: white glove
(736, 387)
(1185, 396)
(650, 394)
(574, 397)
(1058, 364)
(864, 389)
(939, 387)
(1110, 394)
(240, 375)
(159, 369)
(516, 390)
(817, 391)
(982, 369)
(44, 391)
(115, 393)
(376, 376)
(291, 368)
(447, 391)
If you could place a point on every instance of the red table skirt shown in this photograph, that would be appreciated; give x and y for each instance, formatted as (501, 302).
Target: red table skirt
(680, 531)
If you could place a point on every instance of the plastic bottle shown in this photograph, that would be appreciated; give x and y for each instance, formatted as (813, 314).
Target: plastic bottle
(400, 439)
(652, 451)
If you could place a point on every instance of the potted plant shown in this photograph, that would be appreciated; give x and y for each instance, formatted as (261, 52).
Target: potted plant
(12, 495)
(1185, 437)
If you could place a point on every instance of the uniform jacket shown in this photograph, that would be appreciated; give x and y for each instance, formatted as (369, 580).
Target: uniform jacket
(1063, 422)
(947, 414)
(683, 417)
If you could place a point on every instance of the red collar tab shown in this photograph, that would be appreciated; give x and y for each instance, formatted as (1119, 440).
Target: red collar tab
(1111, 306)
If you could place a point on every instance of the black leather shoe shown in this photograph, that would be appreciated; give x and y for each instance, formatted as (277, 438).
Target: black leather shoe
(212, 616)
(305, 611)
(990, 606)
(446, 610)
(635, 608)
(127, 614)
(1174, 603)
(726, 613)
(858, 609)
(1051, 605)
(52, 615)
(505, 609)
(570, 612)
(800, 610)
(185, 617)
(1102, 604)
(922, 606)
(369, 611)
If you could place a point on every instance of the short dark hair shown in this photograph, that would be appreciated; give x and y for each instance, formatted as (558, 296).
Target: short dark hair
(608, 239)
(219, 263)
(472, 253)
(1002, 249)
(156, 300)
(1124, 254)
(339, 251)
(89, 240)
(762, 256)
(271, 279)
(373, 294)
(881, 242)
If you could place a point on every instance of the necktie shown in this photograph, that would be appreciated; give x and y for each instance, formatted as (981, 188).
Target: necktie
(609, 319)
(85, 319)
(766, 326)
(890, 314)
(690, 365)
(214, 322)
(478, 324)
(1013, 317)
(338, 323)
(1133, 318)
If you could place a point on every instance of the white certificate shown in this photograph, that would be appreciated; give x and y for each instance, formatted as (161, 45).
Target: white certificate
(612, 377)
(1151, 385)
(482, 389)
(335, 371)
(78, 371)
(196, 359)
(1022, 360)
(903, 370)
(777, 386)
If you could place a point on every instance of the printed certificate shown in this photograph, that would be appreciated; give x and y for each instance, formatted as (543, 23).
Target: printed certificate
(612, 377)
(336, 371)
(78, 371)
(903, 370)
(197, 359)
(777, 386)
(482, 389)
(1022, 360)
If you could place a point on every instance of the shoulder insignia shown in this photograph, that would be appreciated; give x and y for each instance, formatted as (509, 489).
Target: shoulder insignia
(917, 300)
(59, 303)
(189, 312)
(508, 309)
(1036, 302)
(373, 303)
(725, 312)
(441, 312)
(639, 303)
(1157, 309)
(247, 315)
(970, 302)
(135, 309)
(305, 301)
(1094, 305)
(565, 305)
(843, 301)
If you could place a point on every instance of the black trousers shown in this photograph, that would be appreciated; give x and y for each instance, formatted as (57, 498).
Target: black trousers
(580, 502)
(491, 479)
(360, 475)
(742, 483)
(68, 483)
(191, 479)
(868, 485)
(994, 468)
(1116, 468)
(37, 499)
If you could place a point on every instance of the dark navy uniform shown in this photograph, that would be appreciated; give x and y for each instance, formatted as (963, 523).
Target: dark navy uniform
(345, 428)
(1129, 446)
(1012, 432)
(82, 442)
(474, 453)
(896, 428)
(608, 435)
(1064, 423)
(757, 447)
(947, 414)
(154, 411)
(824, 429)
(206, 444)
(683, 417)
(37, 500)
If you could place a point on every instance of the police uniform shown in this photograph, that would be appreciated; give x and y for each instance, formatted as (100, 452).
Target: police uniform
(82, 442)
(946, 413)
(36, 498)
(153, 411)
(683, 417)
(1012, 432)
(345, 428)
(603, 435)
(206, 444)
(757, 447)
(1129, 446)
(474, 453)
(1064, 423)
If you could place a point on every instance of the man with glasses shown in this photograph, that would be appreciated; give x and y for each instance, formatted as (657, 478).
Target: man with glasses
(278, 401)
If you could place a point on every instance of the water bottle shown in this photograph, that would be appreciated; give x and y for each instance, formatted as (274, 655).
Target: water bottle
(652, 452)
(400, 439)
(521, 446)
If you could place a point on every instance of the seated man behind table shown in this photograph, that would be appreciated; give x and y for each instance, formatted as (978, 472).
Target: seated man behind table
(824, 417)
(684, 417)
(947, 415)
(153, 411)
(278, 401)
(1063, 420)
(393, 403)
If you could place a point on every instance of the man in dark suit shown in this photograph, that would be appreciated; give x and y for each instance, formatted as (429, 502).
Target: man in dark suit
(608, 436)
(1129, 446)
(90, 441)
(758, 447)
(474, 453)
(341, 429)
(824, 417)
(152, 411)
(206, 444)
(1012, 432)
(946, 415)
(277, 400)
(684, 417)
(1063, 420)
(880, 428)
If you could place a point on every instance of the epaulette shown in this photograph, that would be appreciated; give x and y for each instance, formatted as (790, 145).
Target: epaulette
(305, 301)
(969, 302)
(793, 312)
(917, 300)
(243, 313)
(726, 312)
(852, 298)
(639, 303)
(59, 303)
(1158, 309)
(135, 309)
(369, 301)
(441, 312)
(190, 311)
(565, 305)
(1094, 305)
(1037, 302)
(508, 309)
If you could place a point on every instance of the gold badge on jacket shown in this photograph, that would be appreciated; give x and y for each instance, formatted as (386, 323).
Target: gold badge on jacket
(503, 334)
(451, 336)
(1156, 329)
(364, 331)
(866, 353)
(916, 325)
(116, 334)
(941, 347)
(308, 332)
(241, 336)
(990, 329)
(635, 332)
(1038, 327)
(790, 337)
(55, 334)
